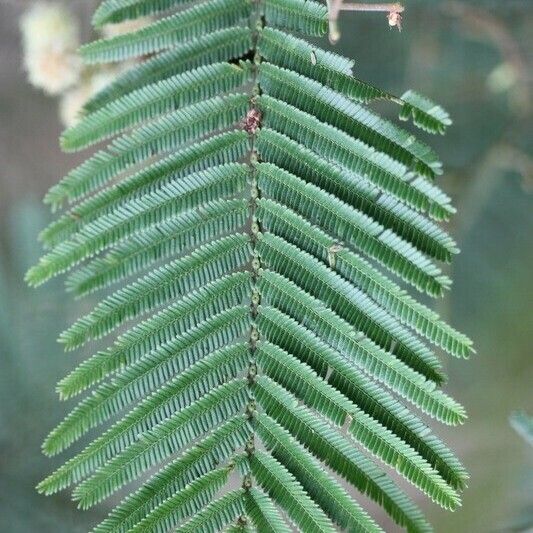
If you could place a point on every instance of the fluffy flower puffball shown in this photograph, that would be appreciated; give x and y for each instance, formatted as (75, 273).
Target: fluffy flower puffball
(50, 36)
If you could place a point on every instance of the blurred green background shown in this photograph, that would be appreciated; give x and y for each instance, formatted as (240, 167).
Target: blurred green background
(474, 58)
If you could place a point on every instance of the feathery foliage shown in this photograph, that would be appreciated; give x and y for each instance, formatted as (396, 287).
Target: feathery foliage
(253, 220)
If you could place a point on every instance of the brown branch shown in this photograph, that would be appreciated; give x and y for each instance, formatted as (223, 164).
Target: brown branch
(388, 8)
(394, 10)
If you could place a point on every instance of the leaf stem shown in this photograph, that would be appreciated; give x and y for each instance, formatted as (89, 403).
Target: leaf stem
(252, 122)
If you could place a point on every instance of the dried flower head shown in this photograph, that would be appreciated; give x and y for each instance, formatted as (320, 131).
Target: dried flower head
(395, 20)
(252, 120)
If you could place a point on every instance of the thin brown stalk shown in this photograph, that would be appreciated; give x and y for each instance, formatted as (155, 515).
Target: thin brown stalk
(394, 10)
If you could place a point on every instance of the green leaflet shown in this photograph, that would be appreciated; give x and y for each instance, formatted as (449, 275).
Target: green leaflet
(184, 503)
(339, 454)
(333, 108)
(335, 72)
(353, 227)
(217, 514)
(262, 512)
(316, 393)
(153, 208)
(374, 400)
(222, 148)
(357, 270)
(173, 433)
(93, 458)
(176, 279)
(341, 336)
(222, 328)
(277, 481)
(171, 237)
(358, 192)
(198, 460)
(335, 145)
(324, 490)
(426, 114)
(162, 136)
(305, 16)
(174, 394)
(153, 100)
(113, 11)
(330, 69)
(214, 47)
(288, 51)
(165, 324)
(350, 303)
(184, 26)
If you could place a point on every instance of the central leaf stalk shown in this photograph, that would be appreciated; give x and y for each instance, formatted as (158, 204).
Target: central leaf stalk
(252, 124)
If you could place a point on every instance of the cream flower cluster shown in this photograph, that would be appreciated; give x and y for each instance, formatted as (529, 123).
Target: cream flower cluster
(50, 38)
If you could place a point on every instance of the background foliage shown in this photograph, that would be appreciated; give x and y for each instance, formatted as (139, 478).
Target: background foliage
(474, 62)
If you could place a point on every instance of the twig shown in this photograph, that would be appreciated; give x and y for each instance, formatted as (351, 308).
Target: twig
(394, 10)
(388, 8)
